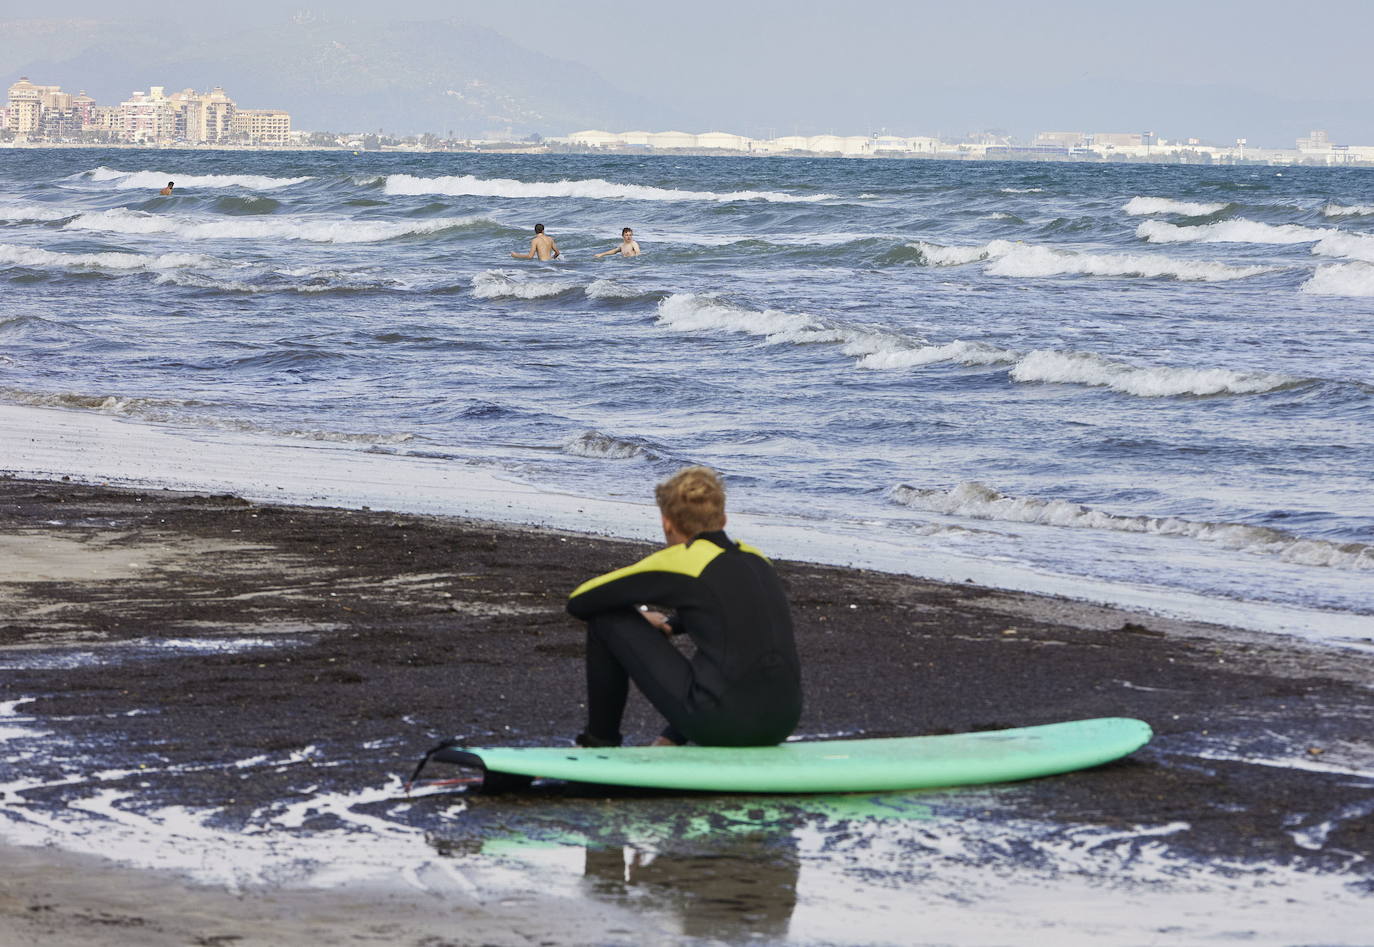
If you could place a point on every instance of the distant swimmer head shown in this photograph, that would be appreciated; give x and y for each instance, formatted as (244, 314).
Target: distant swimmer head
(626, 232)
(171, 184)
(538, 228)
(692, 501)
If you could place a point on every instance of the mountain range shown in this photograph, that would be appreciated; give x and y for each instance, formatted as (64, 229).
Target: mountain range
(336, 74)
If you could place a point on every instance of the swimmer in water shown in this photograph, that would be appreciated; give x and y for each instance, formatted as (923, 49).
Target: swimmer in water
(167, 191)
(542, 247)
(628, 246)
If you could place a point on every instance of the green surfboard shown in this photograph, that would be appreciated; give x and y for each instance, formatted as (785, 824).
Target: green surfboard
(876, 765)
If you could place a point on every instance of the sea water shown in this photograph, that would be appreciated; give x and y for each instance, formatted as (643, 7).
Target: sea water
(1143, 375)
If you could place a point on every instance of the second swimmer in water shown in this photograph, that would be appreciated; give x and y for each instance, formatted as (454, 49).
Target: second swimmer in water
(627, 247)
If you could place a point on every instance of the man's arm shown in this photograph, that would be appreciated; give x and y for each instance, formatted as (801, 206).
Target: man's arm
(607, 253)
(533, 251)
(554, 245)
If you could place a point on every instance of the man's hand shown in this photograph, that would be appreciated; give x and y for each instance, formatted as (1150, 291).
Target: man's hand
(657, 619)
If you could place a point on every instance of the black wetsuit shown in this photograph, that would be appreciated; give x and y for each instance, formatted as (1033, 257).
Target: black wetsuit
(743, 685)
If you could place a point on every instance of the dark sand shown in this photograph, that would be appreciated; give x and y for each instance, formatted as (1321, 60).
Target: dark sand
(424, 628)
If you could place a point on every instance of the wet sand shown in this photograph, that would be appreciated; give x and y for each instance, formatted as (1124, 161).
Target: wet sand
(399, 630)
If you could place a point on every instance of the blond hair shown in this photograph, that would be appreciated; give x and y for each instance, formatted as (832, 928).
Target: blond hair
(693, 499)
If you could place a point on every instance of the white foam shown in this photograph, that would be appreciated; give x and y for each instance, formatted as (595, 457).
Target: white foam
(1354, 246)
(26, 213)
(935, 255)
(966, 353)
(600, 446)
(498, 284)
(1140, 206)
(1089, 368)
(1341, 279)
(52, 259)
(468, 185)
(154, 180)
(121, 220)
(1230, 231)
(697, 312)
(1022, 190)
(609, 289)
(1015, 259)
(1037, 261)
(979, 501)
(1352, 210)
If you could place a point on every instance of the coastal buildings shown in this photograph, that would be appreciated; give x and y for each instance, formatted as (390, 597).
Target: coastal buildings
(1316, 149)
(39, 113)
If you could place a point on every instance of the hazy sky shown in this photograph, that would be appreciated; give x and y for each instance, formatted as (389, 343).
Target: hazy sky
(1260, 68)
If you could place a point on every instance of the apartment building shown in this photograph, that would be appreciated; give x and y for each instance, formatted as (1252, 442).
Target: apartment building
(36, 112)
(262, 126)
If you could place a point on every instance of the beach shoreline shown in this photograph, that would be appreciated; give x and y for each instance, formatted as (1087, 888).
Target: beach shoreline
(290, 639)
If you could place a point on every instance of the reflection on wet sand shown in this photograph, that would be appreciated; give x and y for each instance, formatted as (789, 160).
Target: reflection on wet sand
(748, 887)
(712, 867)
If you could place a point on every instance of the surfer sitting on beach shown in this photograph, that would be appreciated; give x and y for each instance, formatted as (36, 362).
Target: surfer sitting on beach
(628, 246)
(541, 247)
(742, 687)
(167, 191)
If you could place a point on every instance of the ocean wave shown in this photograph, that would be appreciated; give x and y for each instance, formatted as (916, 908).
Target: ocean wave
(498, 284)
(883, 350)
(600, 446)
(154, 180)
(33, 213)
(1021, 190)
(121, 220)
(310, 285)
(1230, 231)
(1141, 206)
(1352, 210)
(1006, 258)
(609, 289)
(979, 501)
(468, 185)
(965, 353)
(1341, 279)
(1089, 368)
(11, 255)
(1355, 246)
(123, 405)
(696, 312)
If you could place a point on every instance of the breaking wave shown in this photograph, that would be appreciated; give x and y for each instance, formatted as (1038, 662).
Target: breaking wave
(1141, 206)
(1088, 368)
(1006, 258)
(609, 289)
(33, 213)
(600, 446)
(468, 185)
(497, 284)
(881, 350)
(154, 180)
(11, 255)
(1230, 231)
(120, 220)
(695, 312)
(1353, 210)
(1341, 279)
(965, 353)
(979, 501)
(1354, 246)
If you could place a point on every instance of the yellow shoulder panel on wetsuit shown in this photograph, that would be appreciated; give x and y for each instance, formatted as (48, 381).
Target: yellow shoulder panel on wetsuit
(745, 547)
(685, 559)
